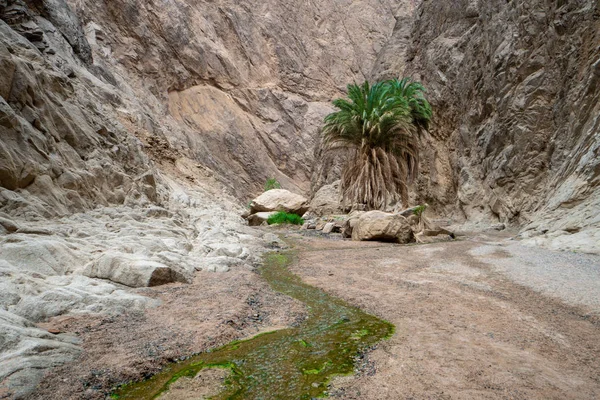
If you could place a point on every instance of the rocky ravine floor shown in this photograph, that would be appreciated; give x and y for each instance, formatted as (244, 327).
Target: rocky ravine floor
(477, 318)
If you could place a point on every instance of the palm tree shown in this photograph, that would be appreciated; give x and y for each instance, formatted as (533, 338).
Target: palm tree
(381, 125)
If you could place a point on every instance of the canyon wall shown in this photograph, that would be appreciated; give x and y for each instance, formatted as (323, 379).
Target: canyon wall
(516, 92)
(243, 86)
(239, 88)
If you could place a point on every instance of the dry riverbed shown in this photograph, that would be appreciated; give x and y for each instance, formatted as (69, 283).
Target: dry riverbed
(464, 329)
(467, 324)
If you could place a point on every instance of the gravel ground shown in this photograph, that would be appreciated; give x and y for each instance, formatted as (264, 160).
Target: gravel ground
(571, 277)
(212, 311)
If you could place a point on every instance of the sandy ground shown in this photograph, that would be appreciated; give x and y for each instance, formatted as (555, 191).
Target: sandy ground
(465, 328)
(469, 325)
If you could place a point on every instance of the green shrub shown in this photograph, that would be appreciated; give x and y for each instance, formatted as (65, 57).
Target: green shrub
(272, 183)
(285, 218)
(419, 210)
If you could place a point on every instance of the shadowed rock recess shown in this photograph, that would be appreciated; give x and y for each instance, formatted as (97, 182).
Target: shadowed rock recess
(132, 132)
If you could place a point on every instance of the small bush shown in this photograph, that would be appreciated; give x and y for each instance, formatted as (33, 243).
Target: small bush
(419, 210)
(272, 183)
(285, 218)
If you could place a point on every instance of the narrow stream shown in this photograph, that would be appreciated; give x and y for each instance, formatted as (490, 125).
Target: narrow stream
(294, 363)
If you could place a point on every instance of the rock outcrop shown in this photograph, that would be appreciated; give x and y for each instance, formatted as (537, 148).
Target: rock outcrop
(515, 87)
(327, 200)
(134, 271)
(239, 86)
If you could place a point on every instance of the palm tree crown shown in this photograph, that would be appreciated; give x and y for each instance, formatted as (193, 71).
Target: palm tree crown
(381, 124)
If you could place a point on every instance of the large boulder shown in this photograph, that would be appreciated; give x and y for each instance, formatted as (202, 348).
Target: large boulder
(279, 200)
(327, 200)
(133, 271)
(350, 222)
(385, 227)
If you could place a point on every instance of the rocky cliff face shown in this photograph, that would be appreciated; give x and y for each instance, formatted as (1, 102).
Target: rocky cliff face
(241, 87)
(516, 89)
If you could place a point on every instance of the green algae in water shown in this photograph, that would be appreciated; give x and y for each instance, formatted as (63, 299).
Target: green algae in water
(295, 363)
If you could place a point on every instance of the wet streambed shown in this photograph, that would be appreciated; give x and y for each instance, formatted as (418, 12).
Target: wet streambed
(293, 363)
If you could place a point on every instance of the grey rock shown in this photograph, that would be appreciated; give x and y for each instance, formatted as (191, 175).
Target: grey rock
(66, 21)
(498, 227)
(326, 201)
(133, 271)
(25, 352)
(380, 226)
(329, 227)
(9, 225)
(279, 200)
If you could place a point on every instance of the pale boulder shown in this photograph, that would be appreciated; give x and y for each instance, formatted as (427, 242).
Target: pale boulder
(381, 226)
(329, 227)
(27, 351)
(133, 271)
(279, 200)
(350, 222)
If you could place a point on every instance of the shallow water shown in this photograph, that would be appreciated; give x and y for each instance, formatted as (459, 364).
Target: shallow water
(294, 363)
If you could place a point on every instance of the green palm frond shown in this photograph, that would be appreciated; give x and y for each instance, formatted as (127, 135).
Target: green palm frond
(414, 92)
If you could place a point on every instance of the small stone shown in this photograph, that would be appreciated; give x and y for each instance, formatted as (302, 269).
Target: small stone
(328, 228)
(498, 227)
